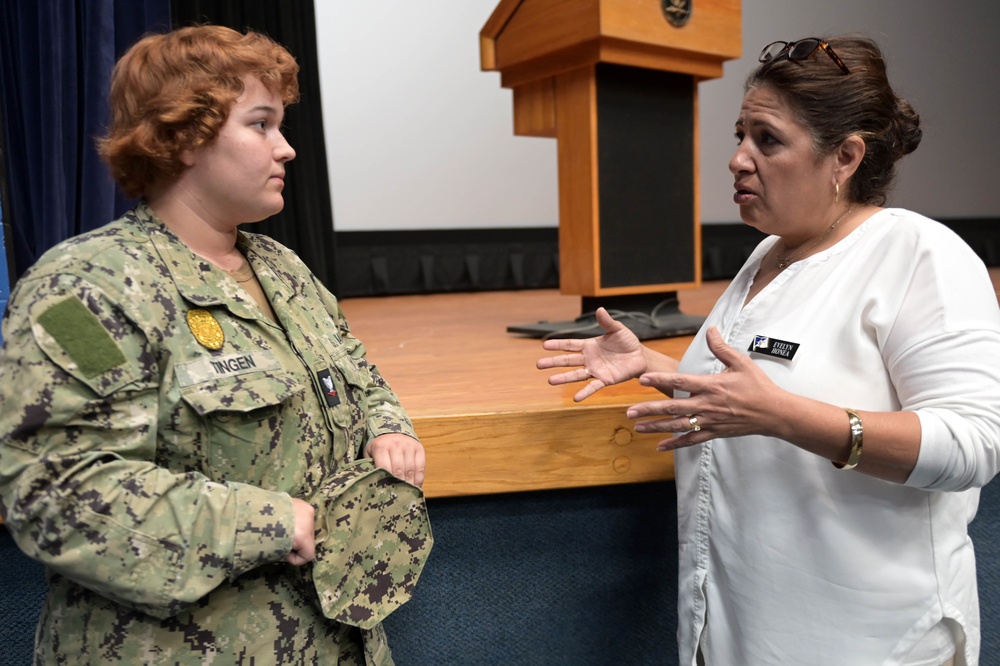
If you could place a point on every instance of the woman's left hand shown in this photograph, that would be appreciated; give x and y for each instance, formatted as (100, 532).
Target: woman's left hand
(400, 455)
(736, 402)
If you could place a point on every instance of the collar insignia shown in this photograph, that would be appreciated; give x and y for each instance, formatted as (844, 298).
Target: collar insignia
(329, 390)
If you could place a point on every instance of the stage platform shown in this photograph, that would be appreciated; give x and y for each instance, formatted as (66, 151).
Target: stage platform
(489, 420)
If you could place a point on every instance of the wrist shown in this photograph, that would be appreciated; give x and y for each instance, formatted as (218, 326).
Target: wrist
(856, 442)
(654, 361)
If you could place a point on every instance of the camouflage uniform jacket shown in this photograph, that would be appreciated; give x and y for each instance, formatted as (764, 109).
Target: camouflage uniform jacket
(150, 462)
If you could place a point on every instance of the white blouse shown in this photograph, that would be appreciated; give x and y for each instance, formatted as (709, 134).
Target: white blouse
(793, 561)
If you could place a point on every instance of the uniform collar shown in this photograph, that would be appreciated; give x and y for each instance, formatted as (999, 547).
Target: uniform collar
(198, 280)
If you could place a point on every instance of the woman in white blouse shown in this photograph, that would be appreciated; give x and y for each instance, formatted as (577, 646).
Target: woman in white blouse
(834, 419)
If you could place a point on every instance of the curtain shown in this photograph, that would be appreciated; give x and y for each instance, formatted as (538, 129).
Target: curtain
(4, 282)
(306, 223)
(56, 58)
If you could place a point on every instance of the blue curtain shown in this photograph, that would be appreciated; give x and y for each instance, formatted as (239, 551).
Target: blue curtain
(56, 58)
(4, 283)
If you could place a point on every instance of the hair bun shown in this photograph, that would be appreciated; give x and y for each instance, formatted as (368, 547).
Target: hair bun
(906, 128)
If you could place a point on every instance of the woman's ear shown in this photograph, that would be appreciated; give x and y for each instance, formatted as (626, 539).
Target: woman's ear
(187, 157)
(849, 155)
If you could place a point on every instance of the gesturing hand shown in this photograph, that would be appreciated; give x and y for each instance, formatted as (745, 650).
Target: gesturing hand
(730, 404)
(609, 359)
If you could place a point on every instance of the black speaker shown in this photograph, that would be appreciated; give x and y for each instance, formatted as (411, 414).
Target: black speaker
(646, 179)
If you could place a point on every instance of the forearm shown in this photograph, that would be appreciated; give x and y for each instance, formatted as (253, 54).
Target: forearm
(138, 534)
(659, 362)
(891, 440)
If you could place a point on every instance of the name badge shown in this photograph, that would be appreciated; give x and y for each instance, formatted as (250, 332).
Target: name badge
(773, 347)
(212, 368)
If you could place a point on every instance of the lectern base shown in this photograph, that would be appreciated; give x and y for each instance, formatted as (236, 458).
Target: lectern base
(649, 316)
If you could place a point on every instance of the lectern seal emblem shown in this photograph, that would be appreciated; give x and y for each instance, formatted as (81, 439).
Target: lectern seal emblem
(677, 11)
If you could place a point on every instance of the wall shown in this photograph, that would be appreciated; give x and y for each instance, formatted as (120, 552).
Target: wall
(419, 138)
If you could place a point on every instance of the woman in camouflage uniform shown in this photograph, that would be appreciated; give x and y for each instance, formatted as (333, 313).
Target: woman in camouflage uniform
(177, 395)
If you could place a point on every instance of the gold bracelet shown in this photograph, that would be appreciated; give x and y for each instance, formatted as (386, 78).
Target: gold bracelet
(857, 441)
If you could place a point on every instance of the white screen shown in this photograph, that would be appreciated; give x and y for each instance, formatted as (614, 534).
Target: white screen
(419, 137)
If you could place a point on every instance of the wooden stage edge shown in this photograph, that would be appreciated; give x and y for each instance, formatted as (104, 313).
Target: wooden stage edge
(489, 421)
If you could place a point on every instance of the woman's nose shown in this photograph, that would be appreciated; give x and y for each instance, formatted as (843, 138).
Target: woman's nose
(284, 151)
(740, 160)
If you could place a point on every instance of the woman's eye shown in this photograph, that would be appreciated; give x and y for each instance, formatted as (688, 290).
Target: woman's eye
(260, 124)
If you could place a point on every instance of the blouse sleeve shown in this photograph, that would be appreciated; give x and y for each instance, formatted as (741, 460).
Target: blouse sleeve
(943, 355)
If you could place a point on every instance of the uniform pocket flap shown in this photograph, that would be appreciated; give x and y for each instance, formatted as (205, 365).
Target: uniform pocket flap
(241, 393)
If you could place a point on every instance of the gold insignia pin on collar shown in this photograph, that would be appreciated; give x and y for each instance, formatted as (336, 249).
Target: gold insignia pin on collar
(206, 329)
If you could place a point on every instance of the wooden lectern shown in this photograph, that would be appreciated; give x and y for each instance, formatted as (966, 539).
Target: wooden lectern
(615, 82)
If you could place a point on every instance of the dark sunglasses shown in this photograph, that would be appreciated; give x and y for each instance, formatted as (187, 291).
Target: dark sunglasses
(798, 51)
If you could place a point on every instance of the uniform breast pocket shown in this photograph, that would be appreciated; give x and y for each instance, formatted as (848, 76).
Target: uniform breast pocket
(246, 422)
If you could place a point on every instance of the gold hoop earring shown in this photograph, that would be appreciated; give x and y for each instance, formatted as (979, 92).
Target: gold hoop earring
(836, 192)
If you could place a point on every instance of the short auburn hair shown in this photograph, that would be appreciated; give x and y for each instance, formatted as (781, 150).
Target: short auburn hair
(173, 92)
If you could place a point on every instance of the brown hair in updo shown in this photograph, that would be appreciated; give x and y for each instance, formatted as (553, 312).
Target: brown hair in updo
(834, 106)
(173, 92)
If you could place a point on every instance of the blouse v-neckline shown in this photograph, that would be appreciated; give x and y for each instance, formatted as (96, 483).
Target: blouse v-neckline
(795, 267)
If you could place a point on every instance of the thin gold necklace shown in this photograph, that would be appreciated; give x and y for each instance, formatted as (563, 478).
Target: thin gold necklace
(785, 262)
(242, 274)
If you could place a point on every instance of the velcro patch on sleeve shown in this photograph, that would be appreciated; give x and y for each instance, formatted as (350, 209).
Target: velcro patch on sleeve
(82, 336)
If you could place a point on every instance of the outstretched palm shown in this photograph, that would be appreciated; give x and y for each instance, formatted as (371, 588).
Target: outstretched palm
(609, 359)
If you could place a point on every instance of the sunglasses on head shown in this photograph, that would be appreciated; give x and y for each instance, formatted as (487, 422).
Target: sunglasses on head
(799, 51)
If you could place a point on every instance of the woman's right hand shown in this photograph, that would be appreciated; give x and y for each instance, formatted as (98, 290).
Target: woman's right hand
(612, 358)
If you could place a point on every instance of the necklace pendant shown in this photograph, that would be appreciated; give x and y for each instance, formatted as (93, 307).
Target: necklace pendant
(782, 263)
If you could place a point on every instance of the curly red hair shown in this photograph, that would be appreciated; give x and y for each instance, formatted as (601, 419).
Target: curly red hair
(173, 92)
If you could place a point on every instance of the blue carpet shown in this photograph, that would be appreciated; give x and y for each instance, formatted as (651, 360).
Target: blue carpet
(22, 591)
(572, 577)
